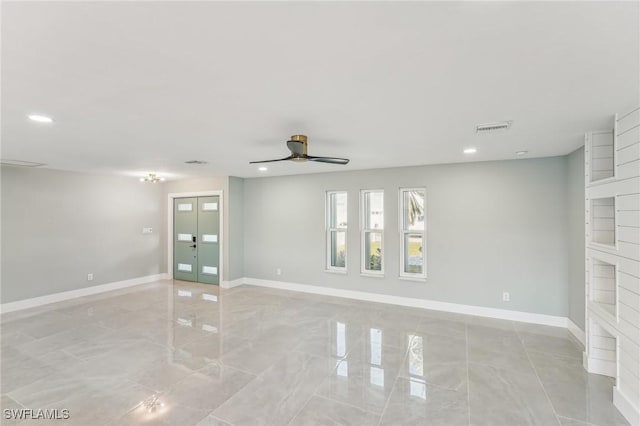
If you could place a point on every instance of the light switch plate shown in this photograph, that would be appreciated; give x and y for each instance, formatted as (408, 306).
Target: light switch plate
(147, 230)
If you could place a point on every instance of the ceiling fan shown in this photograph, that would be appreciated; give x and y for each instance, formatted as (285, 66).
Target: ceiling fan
(298, 147)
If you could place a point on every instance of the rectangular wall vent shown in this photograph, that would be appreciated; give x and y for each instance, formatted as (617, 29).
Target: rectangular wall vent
(493, 127)
(20, 163)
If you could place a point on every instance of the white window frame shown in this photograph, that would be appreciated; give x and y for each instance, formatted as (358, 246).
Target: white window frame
(363, 232)
(329, 230)
(403, 232)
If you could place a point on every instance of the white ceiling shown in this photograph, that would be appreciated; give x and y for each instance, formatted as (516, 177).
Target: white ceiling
(145, 86)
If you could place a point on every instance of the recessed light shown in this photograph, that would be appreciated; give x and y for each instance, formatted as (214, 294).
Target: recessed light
(470, 151)
(521, 153)
(263, 169)
(40, 118)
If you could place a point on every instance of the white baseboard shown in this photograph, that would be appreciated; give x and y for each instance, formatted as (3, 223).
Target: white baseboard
(232, 284)
(599, 366)
(481, 311)
(72, 294)
(577, 332)
(630, 411)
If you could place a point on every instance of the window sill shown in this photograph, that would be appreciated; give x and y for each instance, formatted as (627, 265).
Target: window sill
(336, 271)
(417, 279)
(371, 275)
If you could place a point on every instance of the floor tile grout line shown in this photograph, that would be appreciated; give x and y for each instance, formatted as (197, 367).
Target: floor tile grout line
(393, 387)
(544, 389)
(315, 390)
(348, 404)
(301, 408)
(231, 367)
(217, 418)
(554, 355)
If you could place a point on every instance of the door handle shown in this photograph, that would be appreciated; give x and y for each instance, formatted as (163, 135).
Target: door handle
(193, 246)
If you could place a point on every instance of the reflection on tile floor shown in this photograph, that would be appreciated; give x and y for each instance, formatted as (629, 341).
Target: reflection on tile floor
(176, 353)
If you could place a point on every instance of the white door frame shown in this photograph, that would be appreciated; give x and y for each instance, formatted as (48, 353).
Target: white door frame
(172, 197)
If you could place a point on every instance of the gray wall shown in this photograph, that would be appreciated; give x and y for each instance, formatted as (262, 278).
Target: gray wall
(492, 227)
(575, 218)
(236, 228)
(59, 226)
(512, 226)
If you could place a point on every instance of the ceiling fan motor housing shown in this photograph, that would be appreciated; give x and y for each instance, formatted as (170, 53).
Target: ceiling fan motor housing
(302, 142)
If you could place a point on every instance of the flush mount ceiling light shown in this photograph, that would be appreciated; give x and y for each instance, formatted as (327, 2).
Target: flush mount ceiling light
(40, 118)
(521, 153)
(152, 177)
(470, 151)
(263, 169)
(499, 126)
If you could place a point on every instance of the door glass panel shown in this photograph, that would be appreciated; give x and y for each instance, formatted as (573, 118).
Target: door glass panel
(184, 267)
(210, 270)
(209, 206)
(185, 237)
(209, 238)
(413, 253)
(373, 251)
(185, 207)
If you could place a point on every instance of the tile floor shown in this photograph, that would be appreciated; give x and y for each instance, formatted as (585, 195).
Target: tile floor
(255, 356)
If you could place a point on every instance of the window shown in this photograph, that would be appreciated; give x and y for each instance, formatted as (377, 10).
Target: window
(336, 230)
(372, 232)
(412, 232)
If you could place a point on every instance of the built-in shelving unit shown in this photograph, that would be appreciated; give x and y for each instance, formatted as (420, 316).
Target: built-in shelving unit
(603, 285)
(612, 230)
(600, 162)
(603, 221)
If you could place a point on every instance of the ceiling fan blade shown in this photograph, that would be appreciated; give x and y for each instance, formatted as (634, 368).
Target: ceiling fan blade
(296, 147)
(330, 160)
(271, 161)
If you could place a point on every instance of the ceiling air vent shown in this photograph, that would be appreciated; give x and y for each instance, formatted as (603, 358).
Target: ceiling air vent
(500, 126)
(20, 163)
(196, 162)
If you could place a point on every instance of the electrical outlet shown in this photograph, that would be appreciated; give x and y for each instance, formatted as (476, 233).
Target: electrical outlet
(505, 296)
(278, 271)
(89, 277)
